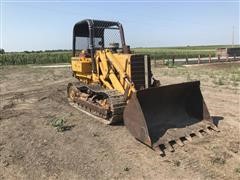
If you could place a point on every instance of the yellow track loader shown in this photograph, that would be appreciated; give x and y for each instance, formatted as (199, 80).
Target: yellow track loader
(117, 85)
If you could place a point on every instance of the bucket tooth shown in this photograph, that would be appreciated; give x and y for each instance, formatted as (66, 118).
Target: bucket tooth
(215, 128)
(208, 131)
(189, 138)
(161, 153)
(179, 142)
(169, 147)
(199, 134)
(159, 150)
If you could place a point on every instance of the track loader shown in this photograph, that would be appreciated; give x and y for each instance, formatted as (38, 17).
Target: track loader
(117, 85)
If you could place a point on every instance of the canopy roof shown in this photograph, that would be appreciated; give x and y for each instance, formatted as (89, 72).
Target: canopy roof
(82, 28)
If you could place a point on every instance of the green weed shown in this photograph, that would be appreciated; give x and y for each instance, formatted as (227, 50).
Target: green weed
(218, 81)
(59, 124)
(176, 163)
(188, 77)
(235, 77)
(218, 160)
(237, 170)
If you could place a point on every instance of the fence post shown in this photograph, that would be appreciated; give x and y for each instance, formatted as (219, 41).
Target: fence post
(173, 60)
(219, 57)
(199, 59)
(155, 61)
(209, 60)
(186, 60)
(227, 58)
(5, 60)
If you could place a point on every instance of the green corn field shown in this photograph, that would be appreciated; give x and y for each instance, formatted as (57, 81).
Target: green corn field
(63, 56)
(34, 58)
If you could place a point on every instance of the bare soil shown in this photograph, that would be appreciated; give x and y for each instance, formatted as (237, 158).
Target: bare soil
(34, 99)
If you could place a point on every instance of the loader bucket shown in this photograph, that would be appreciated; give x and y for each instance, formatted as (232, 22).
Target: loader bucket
(166, 115)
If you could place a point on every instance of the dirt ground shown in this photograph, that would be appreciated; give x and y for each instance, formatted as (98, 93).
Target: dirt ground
(32, 99)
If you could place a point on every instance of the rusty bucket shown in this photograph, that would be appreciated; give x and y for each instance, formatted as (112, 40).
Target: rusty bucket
(161, 116)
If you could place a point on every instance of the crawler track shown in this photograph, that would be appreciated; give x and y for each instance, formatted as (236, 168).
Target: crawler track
(102, 103)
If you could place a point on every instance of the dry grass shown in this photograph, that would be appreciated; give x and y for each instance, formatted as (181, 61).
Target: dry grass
(226, 75)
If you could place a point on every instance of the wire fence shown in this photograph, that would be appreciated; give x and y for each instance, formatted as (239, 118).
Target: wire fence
(197, 60)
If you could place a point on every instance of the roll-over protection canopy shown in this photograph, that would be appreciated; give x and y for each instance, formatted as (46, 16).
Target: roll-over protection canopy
(95, 29)
(82, 28)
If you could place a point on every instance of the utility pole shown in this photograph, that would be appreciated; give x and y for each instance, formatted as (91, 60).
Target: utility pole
(233, 36)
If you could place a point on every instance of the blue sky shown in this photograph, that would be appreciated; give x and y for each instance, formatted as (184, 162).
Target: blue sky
(48, 25)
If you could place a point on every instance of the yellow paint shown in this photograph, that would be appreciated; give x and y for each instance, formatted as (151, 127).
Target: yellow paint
(113, 70)
(81, 65)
